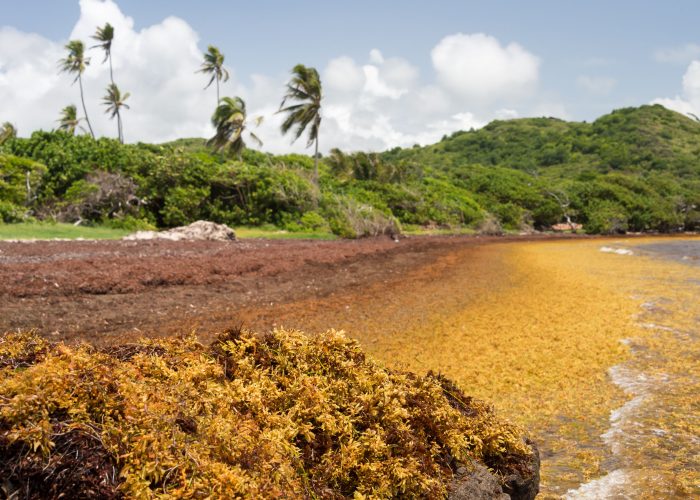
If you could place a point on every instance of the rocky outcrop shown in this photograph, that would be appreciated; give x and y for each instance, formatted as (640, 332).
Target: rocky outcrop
(200, 230)
(519, 480)
(522, 476)
(476, 482)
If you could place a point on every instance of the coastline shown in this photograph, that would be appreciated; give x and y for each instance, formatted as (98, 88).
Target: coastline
(533, 326)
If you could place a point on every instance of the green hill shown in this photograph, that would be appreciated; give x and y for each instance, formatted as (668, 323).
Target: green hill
(630, 140)
(635, 169)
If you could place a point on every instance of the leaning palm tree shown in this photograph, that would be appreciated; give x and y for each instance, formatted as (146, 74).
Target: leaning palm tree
(75, 63)
(114, 100)
(304, 91)
(230, 120)
(7, 131)
(214, 65)
(105, 36)
(69, 120)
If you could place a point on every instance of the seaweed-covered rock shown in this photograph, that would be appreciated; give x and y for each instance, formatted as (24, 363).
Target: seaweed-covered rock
(282, 414)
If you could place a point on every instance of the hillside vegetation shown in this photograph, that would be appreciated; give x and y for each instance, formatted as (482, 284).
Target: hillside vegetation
(636, 169)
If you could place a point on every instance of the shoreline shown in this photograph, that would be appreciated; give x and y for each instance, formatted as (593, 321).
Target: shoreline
(532, 325)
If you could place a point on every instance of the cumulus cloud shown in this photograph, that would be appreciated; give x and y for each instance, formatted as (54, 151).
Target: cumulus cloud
(689, 101)
(372, 104)
(601, 85)
(156, 65)
(678, 55)
(478, 67)
(344, 75)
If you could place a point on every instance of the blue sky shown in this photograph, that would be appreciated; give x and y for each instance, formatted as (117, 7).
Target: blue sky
(587, 57)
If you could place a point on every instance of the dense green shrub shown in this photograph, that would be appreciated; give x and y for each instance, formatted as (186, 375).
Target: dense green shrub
(20, 180)
(349, 218)
(636, 169)
(606, 217)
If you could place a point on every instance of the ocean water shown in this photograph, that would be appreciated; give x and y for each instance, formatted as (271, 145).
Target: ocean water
(654, 437)
(685, 251)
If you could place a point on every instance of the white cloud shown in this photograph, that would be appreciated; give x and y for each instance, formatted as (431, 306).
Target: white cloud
(689, 101)
(344, 75)
(372, 105)
(375, 56)
(478, 67)
(678, 55)
(506, 114)
(601, 85)
(156, 65)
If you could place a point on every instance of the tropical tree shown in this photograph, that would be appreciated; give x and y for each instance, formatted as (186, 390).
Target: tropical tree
(230, 120)
(114, 100)
(105, 35)
(214, 65)
(7, 131)
(304, 108)
(75, 63)
(69, 120)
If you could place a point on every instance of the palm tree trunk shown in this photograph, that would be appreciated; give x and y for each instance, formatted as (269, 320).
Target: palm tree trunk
(217, 91)
(82, 98)
(316, 162)
(111, 75)
(120, 132)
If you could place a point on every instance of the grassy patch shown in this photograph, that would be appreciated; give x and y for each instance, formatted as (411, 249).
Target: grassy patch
(45, 231)
(414, 230)
(273, 233)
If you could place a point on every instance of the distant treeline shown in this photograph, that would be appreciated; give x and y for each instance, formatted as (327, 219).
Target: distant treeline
(636, 169)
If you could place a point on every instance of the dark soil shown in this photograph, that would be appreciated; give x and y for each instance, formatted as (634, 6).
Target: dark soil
(112, 292)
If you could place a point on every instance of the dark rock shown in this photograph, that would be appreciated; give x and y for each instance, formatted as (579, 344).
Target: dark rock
(519, 479)
(522, 475)
(475, 482)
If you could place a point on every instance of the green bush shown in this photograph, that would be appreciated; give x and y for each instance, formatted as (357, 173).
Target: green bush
(9, 212)
(348, 218)
(605, 217)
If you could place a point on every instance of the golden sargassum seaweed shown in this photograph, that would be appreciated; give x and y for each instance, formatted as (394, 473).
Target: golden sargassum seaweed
(534, 327)
(282, 415)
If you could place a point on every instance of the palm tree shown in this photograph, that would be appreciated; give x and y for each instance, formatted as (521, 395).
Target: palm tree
(7, 131)
(105, 36)
(304, 90)
(114, 100)
(69, 120)
(75, 63)
(214, 65)
(230, 122)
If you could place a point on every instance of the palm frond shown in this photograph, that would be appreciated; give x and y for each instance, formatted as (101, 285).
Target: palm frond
(114, 100)
(104, 35)
(302, 103)
(256, 139)
(75, 62)
(7, 131)
(229, 119)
